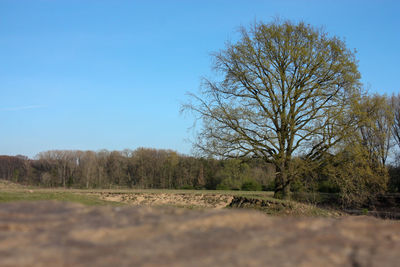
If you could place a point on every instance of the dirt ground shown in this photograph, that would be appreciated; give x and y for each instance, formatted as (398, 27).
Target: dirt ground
(65, 234)
(217, 201)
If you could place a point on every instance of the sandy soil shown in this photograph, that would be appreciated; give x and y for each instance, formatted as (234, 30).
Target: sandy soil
(217, 201)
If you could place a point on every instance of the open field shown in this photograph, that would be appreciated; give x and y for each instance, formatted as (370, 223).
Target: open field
(54, 195)
(190, 199)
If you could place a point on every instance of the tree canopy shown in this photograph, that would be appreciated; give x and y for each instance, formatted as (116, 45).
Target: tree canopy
(286, 89)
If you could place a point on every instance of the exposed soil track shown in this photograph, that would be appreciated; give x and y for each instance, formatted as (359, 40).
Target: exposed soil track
(217, 201)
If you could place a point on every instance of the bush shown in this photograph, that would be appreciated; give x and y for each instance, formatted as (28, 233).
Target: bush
(394, 179)
(222, 186)
(269, 186)
(251, 185)
(357, 179)
(297, 186)
(328, 187)
(187, 187)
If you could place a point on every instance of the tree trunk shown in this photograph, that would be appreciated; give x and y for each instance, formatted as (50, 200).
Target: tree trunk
(286, 190)
(282, 185)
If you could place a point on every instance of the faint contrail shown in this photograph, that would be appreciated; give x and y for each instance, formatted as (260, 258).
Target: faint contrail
(23, 108)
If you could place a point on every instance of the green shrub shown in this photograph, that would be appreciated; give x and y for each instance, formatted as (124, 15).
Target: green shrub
(223, 186)
(358, 179)
(187, 187)
(297, 186)
(328, 187)
(269, 186)
(251, 185)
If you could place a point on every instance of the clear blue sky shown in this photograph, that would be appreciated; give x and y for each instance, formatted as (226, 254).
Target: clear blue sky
(111, 74)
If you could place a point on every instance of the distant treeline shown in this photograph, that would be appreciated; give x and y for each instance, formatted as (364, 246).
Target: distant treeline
(345, 178)
(141, 168)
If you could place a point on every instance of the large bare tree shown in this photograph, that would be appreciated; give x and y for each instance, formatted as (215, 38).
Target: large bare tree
(286, 88)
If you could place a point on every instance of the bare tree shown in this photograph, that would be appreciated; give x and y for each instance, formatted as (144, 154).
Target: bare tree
(287, 88)
(88, 167)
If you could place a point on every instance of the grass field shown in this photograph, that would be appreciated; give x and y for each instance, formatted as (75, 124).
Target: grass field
(54, 195)
(193, 199)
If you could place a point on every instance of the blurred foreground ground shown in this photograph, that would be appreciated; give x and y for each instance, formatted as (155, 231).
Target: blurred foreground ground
(50, 233)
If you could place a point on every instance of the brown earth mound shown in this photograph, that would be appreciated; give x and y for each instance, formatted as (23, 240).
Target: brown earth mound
(63, 234)
(217, 201)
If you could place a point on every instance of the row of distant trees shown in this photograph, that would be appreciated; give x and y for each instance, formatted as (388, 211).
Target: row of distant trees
(141, 168)
(355, 174)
